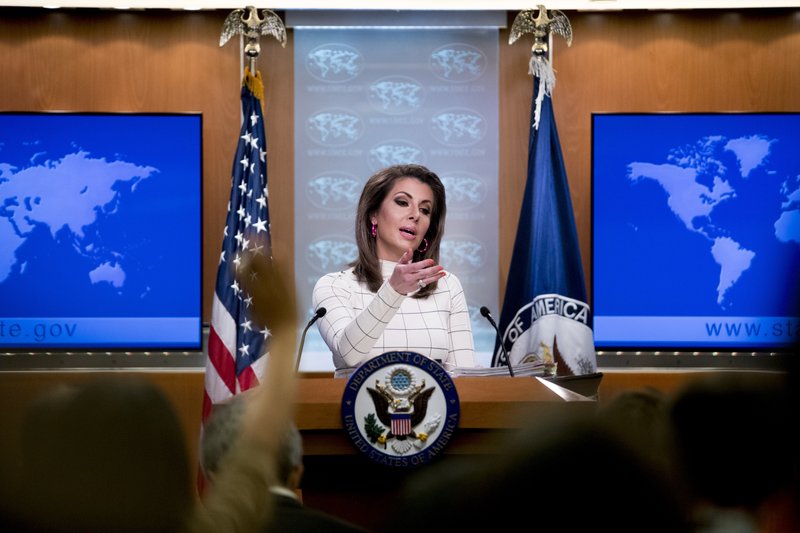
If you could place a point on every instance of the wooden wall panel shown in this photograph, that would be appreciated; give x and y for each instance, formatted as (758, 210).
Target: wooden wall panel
(277, 67)
(516, 89)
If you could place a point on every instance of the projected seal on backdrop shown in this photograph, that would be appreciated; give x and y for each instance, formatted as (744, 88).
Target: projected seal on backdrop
(400, 409)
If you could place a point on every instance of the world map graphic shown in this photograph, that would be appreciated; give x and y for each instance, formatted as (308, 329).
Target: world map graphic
(69, 211)
(97, 215)
(698, 215)
(697, 180)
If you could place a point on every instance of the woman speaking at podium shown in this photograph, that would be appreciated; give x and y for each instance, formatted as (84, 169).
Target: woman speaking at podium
(395, 296)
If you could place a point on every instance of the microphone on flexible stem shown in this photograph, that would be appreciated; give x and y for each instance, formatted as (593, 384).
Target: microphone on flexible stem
(488, 316)
(317, 315)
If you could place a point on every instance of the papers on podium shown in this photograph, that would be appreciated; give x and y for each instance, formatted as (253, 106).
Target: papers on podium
(538, 369)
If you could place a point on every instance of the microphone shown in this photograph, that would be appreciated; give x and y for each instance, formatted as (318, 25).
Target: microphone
(488, 316)
(317, 315)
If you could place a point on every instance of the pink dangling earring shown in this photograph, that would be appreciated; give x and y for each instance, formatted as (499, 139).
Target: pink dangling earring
(425, 249)
(374, 230)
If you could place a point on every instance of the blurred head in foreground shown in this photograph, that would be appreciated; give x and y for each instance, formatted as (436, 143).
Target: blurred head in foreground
(107, 455)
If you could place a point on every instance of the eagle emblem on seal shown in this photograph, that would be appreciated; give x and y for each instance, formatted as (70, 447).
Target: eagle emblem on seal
(401, 404)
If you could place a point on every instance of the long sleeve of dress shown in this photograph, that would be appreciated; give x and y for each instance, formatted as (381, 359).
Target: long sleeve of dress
(462, 349)
(350, 334)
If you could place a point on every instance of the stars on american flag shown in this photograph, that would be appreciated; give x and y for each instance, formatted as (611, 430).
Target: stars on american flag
(243, 221)
(247, 224)
(257, 249)
(260, 225)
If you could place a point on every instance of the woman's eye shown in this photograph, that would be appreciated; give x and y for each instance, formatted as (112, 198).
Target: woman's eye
(425, 211)
(401, 202)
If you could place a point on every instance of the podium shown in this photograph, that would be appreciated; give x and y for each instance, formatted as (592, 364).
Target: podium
(341, 481)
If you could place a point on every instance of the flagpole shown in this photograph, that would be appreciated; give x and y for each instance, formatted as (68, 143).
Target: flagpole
(237, 346)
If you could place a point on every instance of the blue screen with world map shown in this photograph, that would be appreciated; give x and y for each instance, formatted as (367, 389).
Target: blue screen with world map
(696, 230)
(100, 231)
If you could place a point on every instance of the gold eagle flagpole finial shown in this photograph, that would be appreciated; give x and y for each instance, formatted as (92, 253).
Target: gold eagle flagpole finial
(541, 23)
(252, 23)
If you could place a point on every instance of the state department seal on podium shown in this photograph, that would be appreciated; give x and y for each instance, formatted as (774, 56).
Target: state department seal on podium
(400, 409)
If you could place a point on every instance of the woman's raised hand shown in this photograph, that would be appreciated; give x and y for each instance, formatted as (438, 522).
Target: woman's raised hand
(408, 277)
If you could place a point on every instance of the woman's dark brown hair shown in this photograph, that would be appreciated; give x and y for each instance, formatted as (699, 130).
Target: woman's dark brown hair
(367, 266)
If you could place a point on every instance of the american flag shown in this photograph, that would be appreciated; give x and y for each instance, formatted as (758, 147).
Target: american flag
(235, 344)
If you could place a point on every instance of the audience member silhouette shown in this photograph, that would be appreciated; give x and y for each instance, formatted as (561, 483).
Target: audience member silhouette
(735, 449)
(223, 428)
(106, 455)
(109, 455)
(640, 418)
(568, 473)
(791, 503)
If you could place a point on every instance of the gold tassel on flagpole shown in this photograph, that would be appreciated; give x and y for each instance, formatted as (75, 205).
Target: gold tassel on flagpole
(254, 83)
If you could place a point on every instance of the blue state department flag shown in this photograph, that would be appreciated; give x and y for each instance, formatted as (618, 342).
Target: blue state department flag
(235, 344)
(545, 317)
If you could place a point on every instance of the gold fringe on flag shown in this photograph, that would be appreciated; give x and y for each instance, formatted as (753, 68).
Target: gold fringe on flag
(254, 83)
